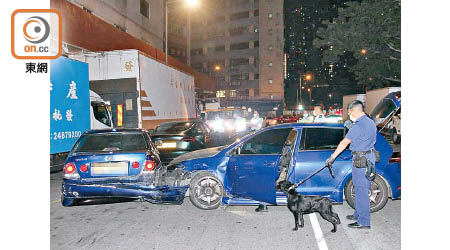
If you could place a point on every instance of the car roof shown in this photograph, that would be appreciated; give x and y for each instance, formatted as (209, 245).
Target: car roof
(106, 130)
(300, 125)
(185, 121)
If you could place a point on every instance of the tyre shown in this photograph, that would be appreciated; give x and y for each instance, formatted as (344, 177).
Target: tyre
(378, 194)
(395, 137)
(206, 191)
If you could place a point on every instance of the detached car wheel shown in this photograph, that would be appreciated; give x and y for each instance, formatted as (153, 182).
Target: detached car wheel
(378, 194)
(206, 191)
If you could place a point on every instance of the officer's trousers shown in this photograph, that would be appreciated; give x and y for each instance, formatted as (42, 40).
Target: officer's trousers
(362, 185)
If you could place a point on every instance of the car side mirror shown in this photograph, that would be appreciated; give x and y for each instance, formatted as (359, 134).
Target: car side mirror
(151, 131)
(158, 143)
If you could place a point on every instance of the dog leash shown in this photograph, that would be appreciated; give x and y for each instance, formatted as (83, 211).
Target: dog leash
(311, 175)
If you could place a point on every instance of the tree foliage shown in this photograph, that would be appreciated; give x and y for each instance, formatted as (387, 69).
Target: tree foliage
(370, 25)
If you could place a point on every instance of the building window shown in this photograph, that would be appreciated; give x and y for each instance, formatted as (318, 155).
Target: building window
(270, 15)
(256, 13)
(270, 81)
(220, 93)
(256, 43)
(270, 64)
(270, 48)
(220, 48)
(238, 31)
(256, 92)
(240, 15)
(233, 93)
(145, 8)
(256, 76)
(236, 46)
(220, 19)
(256, 30)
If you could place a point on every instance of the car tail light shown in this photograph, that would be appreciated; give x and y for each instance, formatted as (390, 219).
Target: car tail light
(70, 168)
(396, 157)
(188, 139)
(149, 165)
(135, 164)
(70, 171)
(84, 168)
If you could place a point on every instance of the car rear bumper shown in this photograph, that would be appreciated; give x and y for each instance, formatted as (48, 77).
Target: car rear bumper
(154, 194)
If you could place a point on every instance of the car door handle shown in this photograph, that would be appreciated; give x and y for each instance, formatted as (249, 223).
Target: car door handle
(345, 158)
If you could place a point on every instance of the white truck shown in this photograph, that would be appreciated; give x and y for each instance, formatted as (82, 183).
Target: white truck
(74, 108)
(143, 91)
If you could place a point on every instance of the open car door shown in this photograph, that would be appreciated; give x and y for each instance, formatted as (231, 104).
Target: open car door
(254, 164)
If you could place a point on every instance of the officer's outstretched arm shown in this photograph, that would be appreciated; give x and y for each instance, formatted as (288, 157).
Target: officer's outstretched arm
(341, 147)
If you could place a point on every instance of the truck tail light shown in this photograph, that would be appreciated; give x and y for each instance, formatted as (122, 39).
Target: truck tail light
(149, 165)
(70, 171)
(396, 157)
(188, 139)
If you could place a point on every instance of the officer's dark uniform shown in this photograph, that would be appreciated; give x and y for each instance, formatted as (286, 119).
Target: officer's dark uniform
(363, 137)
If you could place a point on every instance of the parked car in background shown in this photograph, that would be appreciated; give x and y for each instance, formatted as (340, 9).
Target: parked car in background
(333, 118)
(247, 171)
(173, 139)
(286, 119)
(117, 163)
(269, 121)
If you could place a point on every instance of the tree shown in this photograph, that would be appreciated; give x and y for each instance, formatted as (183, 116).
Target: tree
(370, 30)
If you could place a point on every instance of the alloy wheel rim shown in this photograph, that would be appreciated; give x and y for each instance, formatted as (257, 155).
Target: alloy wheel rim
(207, 191)
(374, 194)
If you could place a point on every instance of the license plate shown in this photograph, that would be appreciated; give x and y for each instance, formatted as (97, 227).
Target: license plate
(109, 168)
(168, 145)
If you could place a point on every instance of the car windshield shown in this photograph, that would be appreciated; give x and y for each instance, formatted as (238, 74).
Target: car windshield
(174, 127)
(101, 113)
(111, 142)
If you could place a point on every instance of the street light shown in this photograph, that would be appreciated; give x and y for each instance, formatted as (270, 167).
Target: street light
(217, 68)
(190, 4)
(363, 51)
(308, 77)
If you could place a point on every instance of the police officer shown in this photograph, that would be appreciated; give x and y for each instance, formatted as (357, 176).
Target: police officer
(362, 138)
(319, 116)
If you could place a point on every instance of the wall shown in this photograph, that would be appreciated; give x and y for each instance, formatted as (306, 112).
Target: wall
(85, 30)
(127, 15)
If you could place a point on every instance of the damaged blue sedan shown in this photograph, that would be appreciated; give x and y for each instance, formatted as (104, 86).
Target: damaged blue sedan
(119, 163)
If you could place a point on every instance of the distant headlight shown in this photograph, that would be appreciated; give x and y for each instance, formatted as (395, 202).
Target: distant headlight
(240, 126)
(218, 125)
(229, 125)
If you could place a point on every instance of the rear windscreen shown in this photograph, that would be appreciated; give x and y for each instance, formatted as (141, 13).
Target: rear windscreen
(111, 142)
(174, 127)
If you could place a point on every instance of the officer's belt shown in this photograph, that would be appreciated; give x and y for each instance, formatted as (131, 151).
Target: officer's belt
(363, 152)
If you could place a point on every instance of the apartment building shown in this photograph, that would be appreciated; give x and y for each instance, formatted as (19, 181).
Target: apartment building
(240, 44)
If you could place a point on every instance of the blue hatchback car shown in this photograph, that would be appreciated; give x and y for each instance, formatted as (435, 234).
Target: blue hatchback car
(246, 172)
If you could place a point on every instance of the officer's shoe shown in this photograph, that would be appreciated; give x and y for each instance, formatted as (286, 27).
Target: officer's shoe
(261, 208)
(351, 217)
(357, 225)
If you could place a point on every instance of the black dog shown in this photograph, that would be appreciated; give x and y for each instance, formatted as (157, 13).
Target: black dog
(299, 204)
